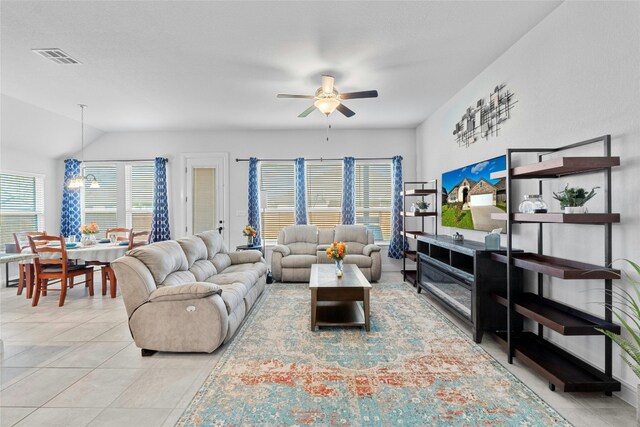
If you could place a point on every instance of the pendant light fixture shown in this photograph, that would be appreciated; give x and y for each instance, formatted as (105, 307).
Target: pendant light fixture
(78, 181)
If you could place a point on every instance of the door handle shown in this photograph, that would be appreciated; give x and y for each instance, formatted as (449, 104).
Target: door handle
(220, 230)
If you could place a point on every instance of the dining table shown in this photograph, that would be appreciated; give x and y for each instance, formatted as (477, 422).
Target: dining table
(102, 252)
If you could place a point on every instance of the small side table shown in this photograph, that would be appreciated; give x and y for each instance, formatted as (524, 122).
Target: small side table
(251, 248)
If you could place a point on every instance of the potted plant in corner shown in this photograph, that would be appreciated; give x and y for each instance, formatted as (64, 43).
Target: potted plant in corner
(572, 200)
(626, 308)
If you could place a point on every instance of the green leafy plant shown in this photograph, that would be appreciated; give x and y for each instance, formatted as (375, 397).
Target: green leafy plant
(422, 204)
(626, 308)
(574, 197)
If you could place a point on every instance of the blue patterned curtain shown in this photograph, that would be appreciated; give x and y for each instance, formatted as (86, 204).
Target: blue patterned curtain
(398, 242)
(254, 199)
(348, 190)
(160, 222)
(71, 213)
(301, 192)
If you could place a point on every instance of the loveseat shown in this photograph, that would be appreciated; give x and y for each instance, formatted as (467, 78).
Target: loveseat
(300, 246)
(188, 295)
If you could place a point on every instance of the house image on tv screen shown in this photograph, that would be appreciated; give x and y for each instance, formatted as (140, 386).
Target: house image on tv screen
(472, 196)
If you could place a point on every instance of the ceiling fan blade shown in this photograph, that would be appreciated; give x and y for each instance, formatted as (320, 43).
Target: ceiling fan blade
(363, 94)
(286, 95)
(344, 110)
(308, 111)
(327, 83)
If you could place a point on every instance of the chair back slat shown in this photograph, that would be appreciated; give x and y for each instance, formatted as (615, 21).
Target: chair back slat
(125, 231)
(135, 238)
(46, 249)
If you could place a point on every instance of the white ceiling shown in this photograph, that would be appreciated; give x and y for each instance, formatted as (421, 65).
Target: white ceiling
(156, 65)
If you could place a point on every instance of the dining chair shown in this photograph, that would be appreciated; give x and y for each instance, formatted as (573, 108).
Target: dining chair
(122, 234)
(52, 263)
(21, 240)
(136, 239)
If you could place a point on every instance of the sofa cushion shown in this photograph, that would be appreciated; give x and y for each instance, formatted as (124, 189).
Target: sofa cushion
(302, 248)
(258, 267)
(221, 261)
(351, 233)
(161, 258)
(184, 292)
(203, 269)
(300, 234)
(194, 249)
(299, 261)
(214, 243)
(178, 278)
(361, 261)
(233, 295)
(325, 236)
(247, 278)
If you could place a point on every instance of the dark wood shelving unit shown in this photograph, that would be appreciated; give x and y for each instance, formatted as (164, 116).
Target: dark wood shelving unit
(562, 369)
(561, 318)
(412, 255)
(419, 192)
(558, 267)
(419, 213)
(423, 190)
(560, 218)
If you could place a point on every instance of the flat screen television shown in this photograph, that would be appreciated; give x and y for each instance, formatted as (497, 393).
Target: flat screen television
(470, 196)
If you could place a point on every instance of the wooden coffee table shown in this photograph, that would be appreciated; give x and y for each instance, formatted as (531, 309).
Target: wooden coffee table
(335, 301)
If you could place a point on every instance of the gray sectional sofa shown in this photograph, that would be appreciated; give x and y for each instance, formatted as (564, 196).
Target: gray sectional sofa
(300, 246)
(188, 295)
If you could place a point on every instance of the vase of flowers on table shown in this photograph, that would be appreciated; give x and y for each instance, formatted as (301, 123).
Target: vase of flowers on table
(89, 232)
(250, 233)
(337, 251)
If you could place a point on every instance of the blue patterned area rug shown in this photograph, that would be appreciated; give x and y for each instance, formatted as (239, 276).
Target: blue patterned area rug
(413, 369)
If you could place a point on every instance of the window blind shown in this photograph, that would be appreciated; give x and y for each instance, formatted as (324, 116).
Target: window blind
(324, 193)
(100, 205)
(373, 198)
(21, 205)
(139, 188)
(277, 188)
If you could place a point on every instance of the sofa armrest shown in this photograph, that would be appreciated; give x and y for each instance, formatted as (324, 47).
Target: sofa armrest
(367, 250)
(284, 250)
(244, 257)
(185, 291)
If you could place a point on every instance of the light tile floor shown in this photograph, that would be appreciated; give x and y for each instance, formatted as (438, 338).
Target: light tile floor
(77, 366)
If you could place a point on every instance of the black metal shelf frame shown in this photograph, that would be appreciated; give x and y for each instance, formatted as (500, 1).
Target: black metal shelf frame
(605, 140)
(421, 185)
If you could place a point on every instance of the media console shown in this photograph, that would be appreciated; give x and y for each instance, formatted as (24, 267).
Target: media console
(463, 276)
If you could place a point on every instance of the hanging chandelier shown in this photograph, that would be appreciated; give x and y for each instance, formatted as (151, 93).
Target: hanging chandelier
(78, 181)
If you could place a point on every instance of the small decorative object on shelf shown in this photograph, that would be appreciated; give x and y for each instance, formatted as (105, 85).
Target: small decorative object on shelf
(532, 203)
(457, 237)
(250, 233)
(89, 232)
(572, 200)
(337, 252)
(414, 208)
(422, 206)
(492, 240)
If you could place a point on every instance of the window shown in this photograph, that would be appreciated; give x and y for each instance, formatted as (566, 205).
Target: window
(277, 189)
(373, 198)
(324, 193)
(100, 205)
(139, 184)
(21, 204)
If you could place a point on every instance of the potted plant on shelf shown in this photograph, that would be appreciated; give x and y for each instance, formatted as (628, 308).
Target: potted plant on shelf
(626, 308)
(422, 206)
(572, 200)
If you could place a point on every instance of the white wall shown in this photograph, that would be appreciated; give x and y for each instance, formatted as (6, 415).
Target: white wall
(575, 76)
(244, 144)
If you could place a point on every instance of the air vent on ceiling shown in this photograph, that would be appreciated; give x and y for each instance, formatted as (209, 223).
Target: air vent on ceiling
(56, 55)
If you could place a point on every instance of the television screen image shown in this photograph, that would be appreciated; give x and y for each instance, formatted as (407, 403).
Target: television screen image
(470, 196)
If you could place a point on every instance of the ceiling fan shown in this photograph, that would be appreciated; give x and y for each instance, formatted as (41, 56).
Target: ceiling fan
(328, 99)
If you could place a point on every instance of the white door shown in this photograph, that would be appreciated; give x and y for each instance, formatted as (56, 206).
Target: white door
(205, 193)
(482, 200)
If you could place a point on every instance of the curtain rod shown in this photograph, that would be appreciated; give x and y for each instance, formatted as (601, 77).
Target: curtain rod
(319, 159)
(123, 161)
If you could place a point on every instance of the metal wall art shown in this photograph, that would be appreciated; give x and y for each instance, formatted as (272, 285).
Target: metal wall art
(485, 118)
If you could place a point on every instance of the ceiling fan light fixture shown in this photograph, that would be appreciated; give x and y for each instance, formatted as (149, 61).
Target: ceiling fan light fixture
(327, 105)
